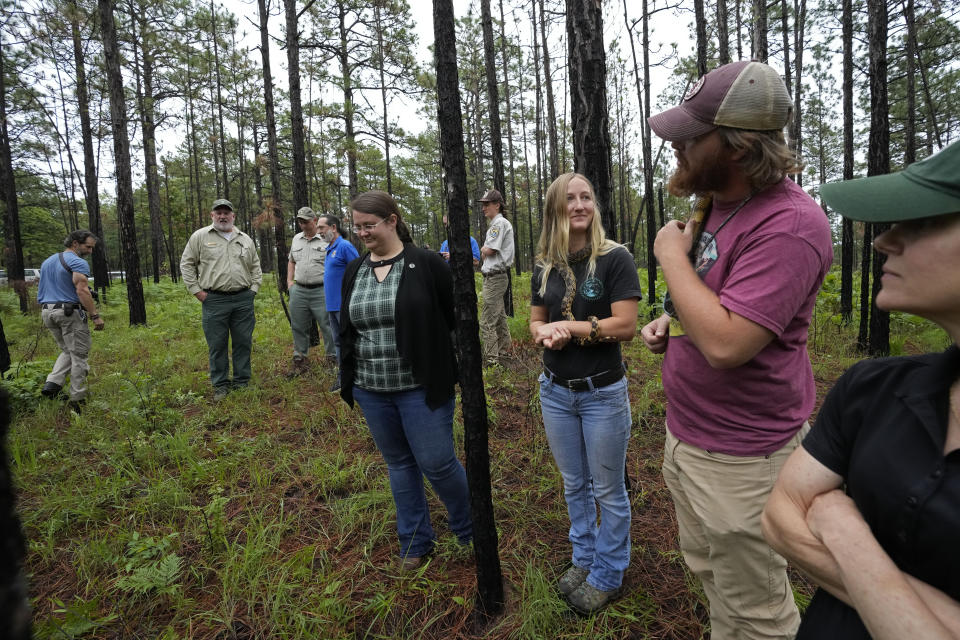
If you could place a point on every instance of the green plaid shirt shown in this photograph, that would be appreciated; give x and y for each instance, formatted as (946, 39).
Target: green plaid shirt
(379, 366)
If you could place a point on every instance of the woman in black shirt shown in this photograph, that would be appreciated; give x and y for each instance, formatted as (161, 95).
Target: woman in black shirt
(869, 506)
(584, 302)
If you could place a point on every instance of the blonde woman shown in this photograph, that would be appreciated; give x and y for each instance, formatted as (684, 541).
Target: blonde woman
(584, 303)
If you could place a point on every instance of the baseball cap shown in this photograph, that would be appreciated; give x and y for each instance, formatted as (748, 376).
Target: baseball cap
(740, 95)
(306, 213)
(492, 196)
(221, 203)
(928, 188)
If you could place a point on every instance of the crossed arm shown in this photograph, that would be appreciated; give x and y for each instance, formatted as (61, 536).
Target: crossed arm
(810, 520)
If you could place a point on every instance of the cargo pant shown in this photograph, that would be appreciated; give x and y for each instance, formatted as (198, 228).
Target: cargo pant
(493, 319)
(307, 305)
(73, 337)
(229, 318)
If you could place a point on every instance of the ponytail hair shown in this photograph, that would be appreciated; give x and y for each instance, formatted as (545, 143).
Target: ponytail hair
(382, 205)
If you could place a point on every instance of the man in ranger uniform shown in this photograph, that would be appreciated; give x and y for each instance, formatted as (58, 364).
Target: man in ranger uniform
(497, 253)
(308, 252)
(221, 268)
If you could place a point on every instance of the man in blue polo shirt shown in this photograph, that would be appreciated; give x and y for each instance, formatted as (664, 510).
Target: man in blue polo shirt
(474, 247)
(65, 302)
(339, 254)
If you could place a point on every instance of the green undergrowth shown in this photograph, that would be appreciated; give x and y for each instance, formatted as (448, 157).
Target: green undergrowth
(157, 513)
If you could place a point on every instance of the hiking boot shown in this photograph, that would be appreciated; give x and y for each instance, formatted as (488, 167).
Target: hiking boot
(572, 579)
(587, 599)
(51, 390)
(77, 405)
(220, 393)
(409, 564)
(299, 367)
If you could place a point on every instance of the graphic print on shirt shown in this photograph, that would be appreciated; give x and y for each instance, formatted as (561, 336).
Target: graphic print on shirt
(591, 289)
(706, 255)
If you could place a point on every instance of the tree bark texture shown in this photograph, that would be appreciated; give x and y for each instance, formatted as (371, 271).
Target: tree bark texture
(760, 49)
(300, 198)
(13, 245)
(846, 237)
(121, 157)
(490, 596)
(551, 106)
(700, 19)
(513, 177)
(279, 230)
(723, 33)
(91, 194)
(878, 156)
(588, 103)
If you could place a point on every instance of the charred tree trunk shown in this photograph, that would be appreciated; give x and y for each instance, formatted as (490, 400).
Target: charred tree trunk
(910, 125)
(723, 33)
(846, 238)
(588, 103)
(92, 196)
(878, 157)
(551, 107)
(700, 19)
(759, 49)
(279, 230)
(299, 160)
(121, 156)
(215, 35)
(513, 179)
(13, 247)
(144, 44)
(490, 597)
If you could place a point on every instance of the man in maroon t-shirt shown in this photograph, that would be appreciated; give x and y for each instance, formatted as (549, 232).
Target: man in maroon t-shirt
(742, 285)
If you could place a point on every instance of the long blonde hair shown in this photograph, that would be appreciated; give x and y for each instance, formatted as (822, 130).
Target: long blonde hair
(554, 243)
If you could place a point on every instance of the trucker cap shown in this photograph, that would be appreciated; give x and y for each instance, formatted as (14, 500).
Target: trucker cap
(740, 95)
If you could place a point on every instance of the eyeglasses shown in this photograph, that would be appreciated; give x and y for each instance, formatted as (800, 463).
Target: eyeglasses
(360, 228)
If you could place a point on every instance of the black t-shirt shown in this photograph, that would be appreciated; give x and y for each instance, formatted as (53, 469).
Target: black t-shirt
(883, 428)
(615, 279)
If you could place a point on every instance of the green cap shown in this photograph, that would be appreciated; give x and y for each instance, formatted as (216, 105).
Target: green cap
(221, 203)
(925, 189)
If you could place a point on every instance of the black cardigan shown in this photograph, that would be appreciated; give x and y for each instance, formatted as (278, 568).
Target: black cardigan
(423, 312)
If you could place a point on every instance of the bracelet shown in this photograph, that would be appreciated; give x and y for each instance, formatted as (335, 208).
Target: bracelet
(594, 332)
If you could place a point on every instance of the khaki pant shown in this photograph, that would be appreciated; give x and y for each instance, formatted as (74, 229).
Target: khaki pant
(72, 335)
(493, 318)
(718, 500)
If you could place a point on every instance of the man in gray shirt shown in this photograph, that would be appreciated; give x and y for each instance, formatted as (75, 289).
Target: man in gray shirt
(308, 251)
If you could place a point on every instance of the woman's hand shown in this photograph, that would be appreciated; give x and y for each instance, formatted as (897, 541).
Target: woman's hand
(552, 335)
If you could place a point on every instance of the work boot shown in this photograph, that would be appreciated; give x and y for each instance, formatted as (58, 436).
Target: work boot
(299, 367)
(77, 405)
(51, 390)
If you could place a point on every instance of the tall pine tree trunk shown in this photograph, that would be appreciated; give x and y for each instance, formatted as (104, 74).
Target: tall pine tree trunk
(588, 103)
(91, 193)
(490, 596)
(121, 158)
(13, 246)
(878, 157)
(700, 19)
(759, 48)
(513, 178)
(279, 231)
(846, 237)
(723, 33)
(551, 107)
(299, 160)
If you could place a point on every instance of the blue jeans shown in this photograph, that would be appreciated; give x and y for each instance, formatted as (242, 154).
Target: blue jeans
(588, 433)
(417, 442)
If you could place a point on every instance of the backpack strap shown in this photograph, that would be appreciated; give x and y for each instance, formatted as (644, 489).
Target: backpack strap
(64, 263)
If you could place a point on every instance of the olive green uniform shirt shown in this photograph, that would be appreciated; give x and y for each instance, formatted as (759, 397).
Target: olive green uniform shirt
(307, 256)
(211, 262)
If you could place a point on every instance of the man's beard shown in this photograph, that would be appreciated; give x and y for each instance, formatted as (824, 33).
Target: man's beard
(225, 226)
(711, 175)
